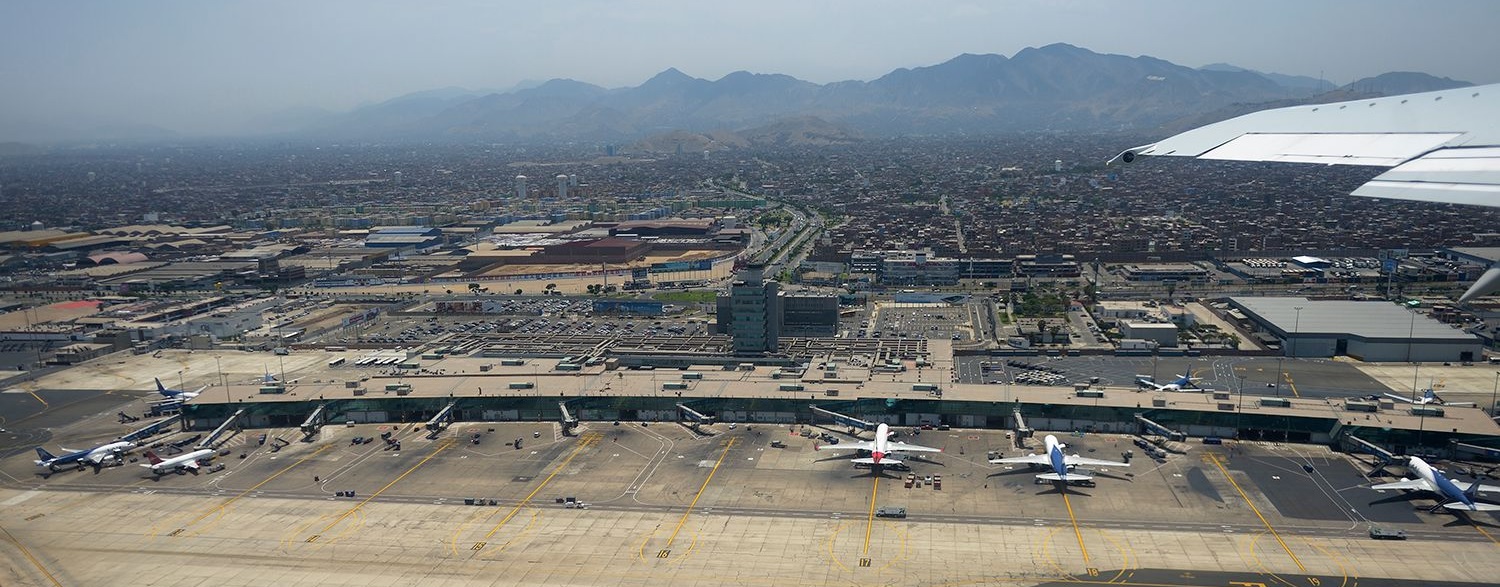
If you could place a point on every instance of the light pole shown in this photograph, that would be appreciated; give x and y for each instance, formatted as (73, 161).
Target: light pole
(1493, 392)
(1296, 327)
(222, 382)
(1411, 332)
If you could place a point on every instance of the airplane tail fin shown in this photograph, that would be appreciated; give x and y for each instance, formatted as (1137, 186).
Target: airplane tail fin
(162, 389)
(871, 461)
(42, 452)
(151, 456)
(1066, 478)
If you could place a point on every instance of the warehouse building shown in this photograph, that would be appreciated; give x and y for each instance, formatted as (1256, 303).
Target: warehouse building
(1369, 331)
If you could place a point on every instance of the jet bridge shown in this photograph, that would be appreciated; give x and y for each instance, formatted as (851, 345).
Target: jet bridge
(228, 423)
(686, 413)
(1022, 431)
(1152, 427)
(153, 428)
(1383, 457)
(569, 421)
(443, 418)
(838, 418)
(314, 422)
(1461, 449)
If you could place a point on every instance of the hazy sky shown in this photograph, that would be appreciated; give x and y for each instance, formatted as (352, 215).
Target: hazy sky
(205, 67)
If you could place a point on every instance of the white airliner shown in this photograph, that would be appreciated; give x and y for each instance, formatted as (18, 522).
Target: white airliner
(177, 394)
(1450, 495)
(1429, 396)
(1062, 464)
(880, 448)
(185, 462)
(93, 456)
(1179, 384)
(1441, 147)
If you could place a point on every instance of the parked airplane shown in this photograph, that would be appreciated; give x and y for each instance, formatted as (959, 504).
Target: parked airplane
(880, 448)
(1429, 396)
(177, 394)
(1450, 495)
(1062, 464)
(1441, 147)
(1181, 383)
(94, 456)
(187, 462)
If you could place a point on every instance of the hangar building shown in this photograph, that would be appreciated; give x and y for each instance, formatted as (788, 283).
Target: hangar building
(1369, 331)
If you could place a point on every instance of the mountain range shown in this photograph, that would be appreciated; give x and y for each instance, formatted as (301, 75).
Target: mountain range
(1057, 87)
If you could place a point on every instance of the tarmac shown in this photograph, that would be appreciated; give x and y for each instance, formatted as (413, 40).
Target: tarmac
(668, 505)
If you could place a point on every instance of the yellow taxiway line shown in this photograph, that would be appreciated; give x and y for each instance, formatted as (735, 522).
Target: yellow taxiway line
(701, 489)
(1071, 518)
(870, 521)
(224, 506)
(445, 446)
(582, 443)
(27, 552)
(1289, 383)
(1215, 460)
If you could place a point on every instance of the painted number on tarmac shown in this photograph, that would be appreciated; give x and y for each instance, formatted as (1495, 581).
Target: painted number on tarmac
(175, 532)
(663, 553)
(477, 546)
(1093, 571)
(313, 538)
(864, 562)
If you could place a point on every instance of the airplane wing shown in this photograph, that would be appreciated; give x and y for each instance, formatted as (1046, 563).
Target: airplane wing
(1442, 146)
(1077, 461)
(1399, 397)
(1031, 459)
(191, 464)
(904, 447)
(1407, 484)
(848, 446)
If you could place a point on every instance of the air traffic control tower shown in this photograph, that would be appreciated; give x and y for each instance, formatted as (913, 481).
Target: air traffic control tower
(752, 303)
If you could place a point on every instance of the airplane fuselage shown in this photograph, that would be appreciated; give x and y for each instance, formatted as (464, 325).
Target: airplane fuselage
(1437, 479)
(177, 462)
(882, 442)
(1055, 455)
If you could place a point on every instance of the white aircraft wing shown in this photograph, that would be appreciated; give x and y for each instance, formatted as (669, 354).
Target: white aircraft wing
(1442, 146)
(98, 457)
(848, 446)
(1077, 461)
(904, 447)
(1408, 484)
(1399, 397)
(1031, 459)
(191, 464)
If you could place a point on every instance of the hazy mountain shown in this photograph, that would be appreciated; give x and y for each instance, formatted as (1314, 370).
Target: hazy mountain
(1404, 82)
(792, 132)
(1300, 82)
(1386, 84)
(1056, 87)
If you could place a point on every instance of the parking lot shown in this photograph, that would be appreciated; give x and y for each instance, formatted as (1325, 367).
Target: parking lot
(930, 321)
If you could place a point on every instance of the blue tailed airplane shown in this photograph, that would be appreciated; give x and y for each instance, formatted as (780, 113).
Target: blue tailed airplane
(1450, 495)
(1061, 463)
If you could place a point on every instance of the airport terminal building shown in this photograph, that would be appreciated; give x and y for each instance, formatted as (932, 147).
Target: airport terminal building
(1369, 331)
